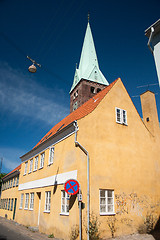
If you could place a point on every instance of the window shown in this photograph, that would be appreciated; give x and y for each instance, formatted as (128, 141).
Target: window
(14, 182)
(11, 182)
(47, 201)
(31, 166)
(98, 90)
(92, 90)
(9, 203)
(17, 181)
(12, 204)
(6, 203)
(75, 105)
(31, 201)
(64, 203)
(106, 202)
(25, 169)
(42, 160)
(21, 202)
(36, 163)
(121, 116)
(95, 75)
(51, 155)
(26, 201)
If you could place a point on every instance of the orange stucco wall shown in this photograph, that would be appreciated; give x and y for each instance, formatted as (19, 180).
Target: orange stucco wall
(123, 158)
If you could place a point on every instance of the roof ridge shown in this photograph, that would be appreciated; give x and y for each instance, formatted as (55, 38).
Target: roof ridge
(79, 113)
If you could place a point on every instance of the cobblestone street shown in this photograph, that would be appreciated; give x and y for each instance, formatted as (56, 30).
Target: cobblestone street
(10, 230)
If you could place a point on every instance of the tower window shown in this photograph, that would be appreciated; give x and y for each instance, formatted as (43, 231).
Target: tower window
(92, 90)
(98, 90)
(77, 93)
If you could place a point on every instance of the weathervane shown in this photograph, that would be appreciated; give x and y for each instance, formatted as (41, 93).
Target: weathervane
(88, 16)
(33, 68)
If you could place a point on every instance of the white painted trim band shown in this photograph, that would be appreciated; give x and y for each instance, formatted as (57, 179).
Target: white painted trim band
(49, 181)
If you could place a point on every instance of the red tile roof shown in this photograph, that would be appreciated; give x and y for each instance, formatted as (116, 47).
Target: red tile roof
(79, 113)
(14, 170)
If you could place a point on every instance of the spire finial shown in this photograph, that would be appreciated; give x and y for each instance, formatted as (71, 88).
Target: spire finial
(88, 16)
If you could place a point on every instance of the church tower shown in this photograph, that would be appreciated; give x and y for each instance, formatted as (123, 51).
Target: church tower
(88, 78)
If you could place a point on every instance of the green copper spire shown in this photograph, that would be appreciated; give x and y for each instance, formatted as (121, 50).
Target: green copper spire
(88, 66)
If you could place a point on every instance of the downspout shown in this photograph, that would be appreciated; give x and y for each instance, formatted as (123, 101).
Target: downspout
(150, 38)
(77, 144)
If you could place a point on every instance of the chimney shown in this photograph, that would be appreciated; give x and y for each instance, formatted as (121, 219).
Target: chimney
(149, 111)
(153, 34)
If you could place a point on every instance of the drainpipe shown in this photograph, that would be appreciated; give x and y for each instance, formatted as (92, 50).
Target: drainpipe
(150, 38)
(77, 144)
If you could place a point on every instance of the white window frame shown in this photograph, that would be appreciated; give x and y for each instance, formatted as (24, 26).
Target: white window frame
(64, 203)
(31, 165)
(106, 203)
(21, 202)
(36, 163)
(47, 201)
(25, 168)
(26, 201)
(31, 204)
(51, 155)
(121, 117)
(42, 160)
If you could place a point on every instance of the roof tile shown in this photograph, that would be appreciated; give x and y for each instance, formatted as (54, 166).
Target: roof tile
(14, 170)
(79, 113)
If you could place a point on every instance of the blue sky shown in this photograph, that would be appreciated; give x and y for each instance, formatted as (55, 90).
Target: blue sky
(52, 33)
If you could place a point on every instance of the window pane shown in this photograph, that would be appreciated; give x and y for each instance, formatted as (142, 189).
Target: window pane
(67, 208)
(110, 200)
(63, 209)
(102, 208)
(63, 193)
(110, 208)
(102, 201)
(110, 193)
(102, 193)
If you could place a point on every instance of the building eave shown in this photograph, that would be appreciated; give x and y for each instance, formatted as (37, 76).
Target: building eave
(57, 137)
(11, 175)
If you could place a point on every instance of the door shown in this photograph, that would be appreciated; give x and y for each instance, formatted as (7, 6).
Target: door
(39, 208)
(14, 210)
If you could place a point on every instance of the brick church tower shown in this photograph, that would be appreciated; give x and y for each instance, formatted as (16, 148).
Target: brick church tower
(88, 78)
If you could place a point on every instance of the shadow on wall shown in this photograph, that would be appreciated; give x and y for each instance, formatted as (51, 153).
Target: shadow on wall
(72, 201)
(156, 232)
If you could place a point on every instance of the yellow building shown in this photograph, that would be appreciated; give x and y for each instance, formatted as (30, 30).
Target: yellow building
(9, 194)
(105, 145)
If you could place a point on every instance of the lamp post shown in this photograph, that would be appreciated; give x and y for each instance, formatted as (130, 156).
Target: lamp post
(33, 68)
